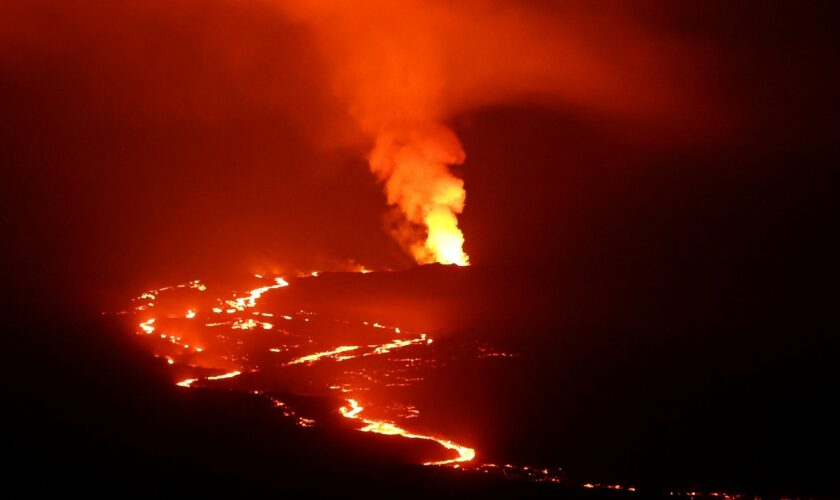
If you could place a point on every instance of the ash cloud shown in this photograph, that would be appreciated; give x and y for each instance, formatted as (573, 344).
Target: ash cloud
(403, 69)
(171, 138)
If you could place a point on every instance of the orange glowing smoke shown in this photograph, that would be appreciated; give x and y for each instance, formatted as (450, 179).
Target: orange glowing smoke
(403, 70)
(390, 76)
(413, 164)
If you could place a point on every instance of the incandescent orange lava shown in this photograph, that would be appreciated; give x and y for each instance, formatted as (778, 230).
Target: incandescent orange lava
(227, 340)
(236, 307)
(387, 428)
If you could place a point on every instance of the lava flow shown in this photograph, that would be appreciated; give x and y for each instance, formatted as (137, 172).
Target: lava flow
(381, 427)
(226, 341)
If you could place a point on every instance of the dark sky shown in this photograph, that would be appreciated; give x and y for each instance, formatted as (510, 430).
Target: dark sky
(149, 142)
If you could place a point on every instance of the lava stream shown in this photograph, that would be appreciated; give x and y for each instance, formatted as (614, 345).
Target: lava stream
(377, 349)
(318, 355)
(465, 454)
(189, 382)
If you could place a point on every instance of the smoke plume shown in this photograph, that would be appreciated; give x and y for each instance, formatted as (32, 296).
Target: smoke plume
(404, 68)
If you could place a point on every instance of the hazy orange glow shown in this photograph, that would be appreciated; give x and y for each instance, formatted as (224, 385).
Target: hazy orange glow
(352, 411)
(404, 70)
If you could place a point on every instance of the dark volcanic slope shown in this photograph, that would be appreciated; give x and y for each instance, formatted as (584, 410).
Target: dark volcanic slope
(717, 375)
(719, 380)
(87, 413)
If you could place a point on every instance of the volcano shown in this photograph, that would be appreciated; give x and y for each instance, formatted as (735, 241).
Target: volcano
(418, 248)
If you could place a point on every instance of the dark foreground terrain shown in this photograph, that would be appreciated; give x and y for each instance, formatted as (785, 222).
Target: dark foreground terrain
(715, 382)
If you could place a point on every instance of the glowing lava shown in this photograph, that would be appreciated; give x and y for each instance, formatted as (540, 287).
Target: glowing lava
(337, 354)
(368, 366)
(377, 349)
(232, 374)
(311, 358)
(147, 326)
(186, 382)
(396, 344)
(250, 300)
(465, 454)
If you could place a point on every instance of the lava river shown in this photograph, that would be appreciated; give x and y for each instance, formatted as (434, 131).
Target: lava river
(250, 341)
